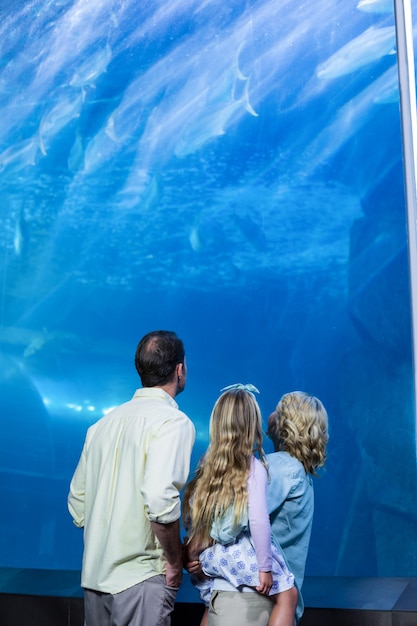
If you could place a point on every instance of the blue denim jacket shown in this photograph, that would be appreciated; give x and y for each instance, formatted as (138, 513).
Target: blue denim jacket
(291, 506)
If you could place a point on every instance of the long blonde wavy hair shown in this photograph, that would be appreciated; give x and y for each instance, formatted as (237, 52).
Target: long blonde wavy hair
(300, 427)
(221, 478)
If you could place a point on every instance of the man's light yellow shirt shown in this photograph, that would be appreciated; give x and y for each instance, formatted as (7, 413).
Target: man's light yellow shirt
(134, 462)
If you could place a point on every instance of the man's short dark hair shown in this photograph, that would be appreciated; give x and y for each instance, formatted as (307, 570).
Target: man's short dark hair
(157, 355)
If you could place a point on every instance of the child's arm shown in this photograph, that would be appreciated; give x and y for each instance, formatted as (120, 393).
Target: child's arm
(191, 562)
(260, 528)
(192, 549)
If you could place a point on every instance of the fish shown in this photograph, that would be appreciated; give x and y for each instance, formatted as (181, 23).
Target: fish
(37, 342)
(98, 151)
(213, 120)
(123, 121)
(19, 155)
(141, 191)
(237, 69)
(88, 73)
(44, 339)
(370, 46)
(194, 239)
(376, 6)
(57, 118)
(21, 233)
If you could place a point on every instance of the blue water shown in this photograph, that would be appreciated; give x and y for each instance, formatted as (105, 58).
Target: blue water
(232, 171)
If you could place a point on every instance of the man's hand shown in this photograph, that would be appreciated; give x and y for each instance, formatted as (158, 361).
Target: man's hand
(173, 575)
(169, 537)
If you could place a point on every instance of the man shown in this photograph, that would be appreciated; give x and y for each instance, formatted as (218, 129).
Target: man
(125, 494)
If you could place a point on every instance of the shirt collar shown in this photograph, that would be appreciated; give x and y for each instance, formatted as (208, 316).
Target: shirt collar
(155, 392)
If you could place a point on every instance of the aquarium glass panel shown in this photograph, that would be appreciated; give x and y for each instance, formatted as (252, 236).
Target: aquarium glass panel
(231, 171)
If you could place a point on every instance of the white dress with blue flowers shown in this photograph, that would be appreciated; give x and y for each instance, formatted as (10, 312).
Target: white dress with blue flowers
(242, 551)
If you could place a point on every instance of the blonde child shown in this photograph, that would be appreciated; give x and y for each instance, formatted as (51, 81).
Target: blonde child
(298, 429)
(225, 509)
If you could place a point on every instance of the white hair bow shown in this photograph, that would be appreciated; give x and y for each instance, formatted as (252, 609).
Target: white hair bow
(247, 387)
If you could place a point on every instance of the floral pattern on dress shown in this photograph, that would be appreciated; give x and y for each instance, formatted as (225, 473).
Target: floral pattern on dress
(237, 564)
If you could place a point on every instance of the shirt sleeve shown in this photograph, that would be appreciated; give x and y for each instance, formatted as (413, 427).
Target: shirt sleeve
(76, 496)
(259, 526)
(167, 469)
(283, 481)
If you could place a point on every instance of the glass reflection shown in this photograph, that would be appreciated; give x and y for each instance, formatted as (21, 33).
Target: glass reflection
(233, 172)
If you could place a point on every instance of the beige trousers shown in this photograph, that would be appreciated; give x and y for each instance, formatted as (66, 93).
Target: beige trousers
(233, 608)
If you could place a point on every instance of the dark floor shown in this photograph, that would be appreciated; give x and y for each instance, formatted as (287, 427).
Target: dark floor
(54, 598)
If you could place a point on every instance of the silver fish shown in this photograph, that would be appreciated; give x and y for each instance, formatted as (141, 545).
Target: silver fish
(368, 47)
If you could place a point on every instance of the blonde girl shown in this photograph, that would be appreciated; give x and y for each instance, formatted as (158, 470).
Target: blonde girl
(225, 509)
(299, 431)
